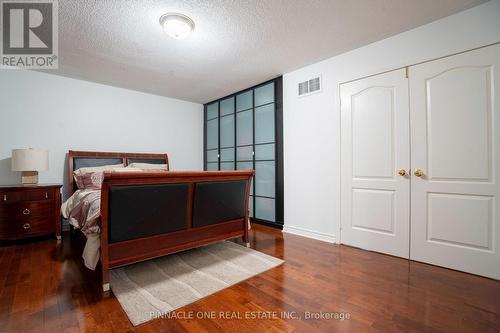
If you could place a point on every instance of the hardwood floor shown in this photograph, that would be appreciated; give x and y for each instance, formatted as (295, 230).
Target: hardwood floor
(45, 288)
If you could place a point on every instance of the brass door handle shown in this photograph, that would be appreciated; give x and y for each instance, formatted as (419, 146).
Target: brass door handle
(26, 226)
(26, 211)
(402, 172)
(419, 173)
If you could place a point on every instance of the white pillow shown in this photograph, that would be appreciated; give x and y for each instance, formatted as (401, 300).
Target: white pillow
(99, 168)
(127, 169)
(148, 166)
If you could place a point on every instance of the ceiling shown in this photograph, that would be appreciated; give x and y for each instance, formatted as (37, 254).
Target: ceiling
(236, 44)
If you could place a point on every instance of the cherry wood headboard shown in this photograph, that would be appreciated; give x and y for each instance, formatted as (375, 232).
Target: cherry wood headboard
(78, 159)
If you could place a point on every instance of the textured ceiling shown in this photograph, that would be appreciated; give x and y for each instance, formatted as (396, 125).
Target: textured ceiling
(236, 44)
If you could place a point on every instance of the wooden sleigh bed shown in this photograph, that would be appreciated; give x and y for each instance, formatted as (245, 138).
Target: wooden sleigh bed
(146, 215)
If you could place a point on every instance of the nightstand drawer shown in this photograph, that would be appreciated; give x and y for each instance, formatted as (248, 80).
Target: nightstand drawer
(9, 197)
(34, 226)
(23, 210)
(40, 195)
(29, 195)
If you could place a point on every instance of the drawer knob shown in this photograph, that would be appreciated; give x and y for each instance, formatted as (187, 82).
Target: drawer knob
(26, 226)
(26, 211)
(5, 197)
(46, 195)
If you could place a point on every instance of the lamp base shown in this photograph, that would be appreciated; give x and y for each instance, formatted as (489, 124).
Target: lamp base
(29, 177)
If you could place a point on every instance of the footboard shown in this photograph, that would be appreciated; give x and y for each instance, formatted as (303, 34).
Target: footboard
(147, 215)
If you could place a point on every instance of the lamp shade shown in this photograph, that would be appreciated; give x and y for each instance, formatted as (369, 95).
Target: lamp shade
(30, 159)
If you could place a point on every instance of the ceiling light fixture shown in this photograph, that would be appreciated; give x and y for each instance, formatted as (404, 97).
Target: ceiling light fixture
(176, 25)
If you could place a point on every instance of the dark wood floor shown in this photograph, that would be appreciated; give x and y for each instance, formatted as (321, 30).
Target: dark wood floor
(44, 287)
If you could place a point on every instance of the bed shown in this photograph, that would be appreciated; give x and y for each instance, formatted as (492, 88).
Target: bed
(145, 214)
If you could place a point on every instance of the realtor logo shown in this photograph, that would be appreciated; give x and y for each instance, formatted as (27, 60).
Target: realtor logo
(29, 34)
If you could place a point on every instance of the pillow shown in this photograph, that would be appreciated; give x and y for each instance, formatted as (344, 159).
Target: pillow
(149, 166)
(89, 180)
(99, 168)
(92, 177)
(127, 169)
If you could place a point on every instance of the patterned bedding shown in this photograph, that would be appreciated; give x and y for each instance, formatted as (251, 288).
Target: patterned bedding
(83, 210)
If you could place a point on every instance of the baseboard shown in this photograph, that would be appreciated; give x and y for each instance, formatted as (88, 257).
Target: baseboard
(309, 234)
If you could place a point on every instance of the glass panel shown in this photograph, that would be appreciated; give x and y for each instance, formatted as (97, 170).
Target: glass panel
(213, 134)
(227, 154)
(244, 101)
(212, 155)
(212, 111)
(227, 106)
(244, 128)
(246, 166)
(212, 166)
(264, 179)
(265, 209)
(244, 153)
(250, 205)
(227, 166)
(227, 131)
(264, 94)
(264, 152)
(264, 124)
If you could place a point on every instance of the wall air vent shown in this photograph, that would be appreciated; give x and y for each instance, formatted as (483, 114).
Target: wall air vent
(310, 86)
(303, 88)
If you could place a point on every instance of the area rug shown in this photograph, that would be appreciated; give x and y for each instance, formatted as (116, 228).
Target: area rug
(150, 289)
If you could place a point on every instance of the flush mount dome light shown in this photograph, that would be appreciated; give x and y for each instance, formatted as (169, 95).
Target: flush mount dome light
(176, 25)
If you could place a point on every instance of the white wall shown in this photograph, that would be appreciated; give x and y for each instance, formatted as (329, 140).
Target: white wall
(56, 113)
(312, 124)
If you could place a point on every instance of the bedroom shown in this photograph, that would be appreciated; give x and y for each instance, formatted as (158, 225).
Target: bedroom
(362, 211)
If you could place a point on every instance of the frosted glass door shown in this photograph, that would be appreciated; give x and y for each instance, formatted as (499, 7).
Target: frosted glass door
(212, 136)
(227, 150)
(241, 135)
(264, 150)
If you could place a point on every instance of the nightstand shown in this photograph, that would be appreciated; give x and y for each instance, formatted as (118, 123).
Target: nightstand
(29, 211)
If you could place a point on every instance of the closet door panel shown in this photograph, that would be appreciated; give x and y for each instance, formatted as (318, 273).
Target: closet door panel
(264, 94)
(244, 128)
(212, 155)
(455, 144)
(244, 153)
(264, 152)
(227, 106)
(264, 124)
(213, 134)
(244, 101)
(265, 209)
(212, 111)
(227, 165)
(374, 148)
(227, 154)
(212, 166)
(265, 179)
(227, 131)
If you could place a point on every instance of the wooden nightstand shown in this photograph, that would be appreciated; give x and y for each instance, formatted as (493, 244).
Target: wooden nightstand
(29, 211)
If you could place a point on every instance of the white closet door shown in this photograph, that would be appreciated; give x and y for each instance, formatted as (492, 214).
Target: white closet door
(375, 146)
(455, 118)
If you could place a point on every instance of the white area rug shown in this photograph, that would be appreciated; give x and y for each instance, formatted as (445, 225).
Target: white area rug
(168, 283)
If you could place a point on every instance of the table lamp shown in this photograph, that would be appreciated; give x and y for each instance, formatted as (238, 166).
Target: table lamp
(30, 161)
